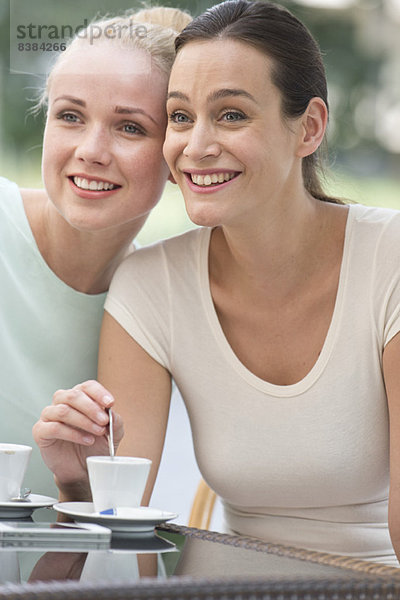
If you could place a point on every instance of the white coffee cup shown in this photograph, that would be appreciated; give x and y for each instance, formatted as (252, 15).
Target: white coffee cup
(14, 460)
(117, 482)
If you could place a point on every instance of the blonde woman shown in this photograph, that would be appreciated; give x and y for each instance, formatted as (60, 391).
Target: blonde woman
(103, 172)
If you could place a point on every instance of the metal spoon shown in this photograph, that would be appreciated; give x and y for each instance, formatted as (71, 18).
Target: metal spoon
(111, 433)
(23, 496)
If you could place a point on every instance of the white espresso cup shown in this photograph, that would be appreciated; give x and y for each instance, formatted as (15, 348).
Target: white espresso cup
(117, 482)
(14, 460)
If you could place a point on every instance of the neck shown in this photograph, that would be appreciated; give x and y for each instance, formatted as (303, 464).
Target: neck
(84, 260)
(277, 255)
(90, 268)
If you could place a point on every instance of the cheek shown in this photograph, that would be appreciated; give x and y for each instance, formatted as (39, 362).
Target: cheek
(173, 145)
(148, 165)
(48, 161)
(148, 173)
(52, 154)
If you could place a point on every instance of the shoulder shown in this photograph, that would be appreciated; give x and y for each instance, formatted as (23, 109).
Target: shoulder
(8, 189)
(374, 217)
(376, 227)
(149, 270)
(175, 252)
(11, 206)
(375, 252)
(189, 241)
(11, 195)
(152, 280)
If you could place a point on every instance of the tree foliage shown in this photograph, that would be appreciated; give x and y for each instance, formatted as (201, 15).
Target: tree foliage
(351, 70)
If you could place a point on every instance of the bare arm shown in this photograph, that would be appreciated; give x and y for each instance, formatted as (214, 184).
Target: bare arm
(391, 369)
(141, 388)
(74, 426)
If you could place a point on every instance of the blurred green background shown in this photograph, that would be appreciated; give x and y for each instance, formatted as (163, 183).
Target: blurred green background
(360, 41)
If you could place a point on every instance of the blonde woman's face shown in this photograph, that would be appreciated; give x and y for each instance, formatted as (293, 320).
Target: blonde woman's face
(102, 154)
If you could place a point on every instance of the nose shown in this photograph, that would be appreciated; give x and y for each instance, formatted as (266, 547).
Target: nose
(94, 146)
(202, 142)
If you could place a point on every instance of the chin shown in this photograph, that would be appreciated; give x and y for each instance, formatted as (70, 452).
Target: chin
(204, 217)
(204, 222)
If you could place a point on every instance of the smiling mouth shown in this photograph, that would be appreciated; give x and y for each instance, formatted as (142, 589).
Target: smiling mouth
(93, 185)
(211, 178)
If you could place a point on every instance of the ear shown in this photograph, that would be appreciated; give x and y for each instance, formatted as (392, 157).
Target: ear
(171, 178)
(313, 126)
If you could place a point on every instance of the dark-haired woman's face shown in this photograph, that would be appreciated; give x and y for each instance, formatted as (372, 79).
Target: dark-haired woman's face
(227, 145)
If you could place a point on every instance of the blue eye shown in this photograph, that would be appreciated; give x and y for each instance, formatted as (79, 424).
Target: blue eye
(68, 117)
(132, 129)
(178, 117)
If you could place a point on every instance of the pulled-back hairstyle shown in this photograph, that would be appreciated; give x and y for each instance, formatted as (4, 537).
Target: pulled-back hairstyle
(297, 67)
(150, 29)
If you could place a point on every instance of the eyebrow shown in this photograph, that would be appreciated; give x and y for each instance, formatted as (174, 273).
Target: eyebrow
(71, 99)
(227, 92)
(119, 110)
(213, 96)
(127, 110)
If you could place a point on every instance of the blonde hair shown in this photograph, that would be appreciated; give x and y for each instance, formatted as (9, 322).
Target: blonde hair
(150, 29)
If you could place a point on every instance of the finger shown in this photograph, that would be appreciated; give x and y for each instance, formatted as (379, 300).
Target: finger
(97, 392)
(48, 433)
(80, 401)
(118, 428)
(75, 419)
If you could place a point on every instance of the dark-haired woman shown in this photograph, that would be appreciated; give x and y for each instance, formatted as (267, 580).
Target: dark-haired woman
(278, 318)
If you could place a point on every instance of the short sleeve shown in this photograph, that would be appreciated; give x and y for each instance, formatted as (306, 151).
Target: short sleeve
(386, 279)
(139, 300)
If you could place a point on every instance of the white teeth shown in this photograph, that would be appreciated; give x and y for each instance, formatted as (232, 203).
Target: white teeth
(97, 186)
(211, 179)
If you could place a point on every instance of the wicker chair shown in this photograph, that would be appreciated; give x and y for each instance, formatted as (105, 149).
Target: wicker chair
(202, 507)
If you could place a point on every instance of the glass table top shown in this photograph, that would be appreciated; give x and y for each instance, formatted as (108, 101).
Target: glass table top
(173, 556)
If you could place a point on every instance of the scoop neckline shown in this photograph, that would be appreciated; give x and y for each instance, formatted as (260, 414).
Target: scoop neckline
(311, 377)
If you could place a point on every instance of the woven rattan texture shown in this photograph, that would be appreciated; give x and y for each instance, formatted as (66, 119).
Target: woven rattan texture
(332, 560)
(202, 590)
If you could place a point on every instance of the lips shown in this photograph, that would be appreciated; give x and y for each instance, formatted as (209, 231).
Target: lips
(211, 178)
(209, 182)
(93, 185)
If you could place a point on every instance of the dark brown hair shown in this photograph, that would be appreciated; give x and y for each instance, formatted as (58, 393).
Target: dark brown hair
(298, 70)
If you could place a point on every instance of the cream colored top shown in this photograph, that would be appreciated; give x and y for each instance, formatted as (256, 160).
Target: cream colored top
(304, 464)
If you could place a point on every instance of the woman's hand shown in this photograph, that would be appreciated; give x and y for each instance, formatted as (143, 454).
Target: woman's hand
(73, 427)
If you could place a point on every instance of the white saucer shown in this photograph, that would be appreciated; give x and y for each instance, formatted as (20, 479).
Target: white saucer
(20, 510)
(142, 521)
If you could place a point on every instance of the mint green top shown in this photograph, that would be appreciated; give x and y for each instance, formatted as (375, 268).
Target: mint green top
(48, 334)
